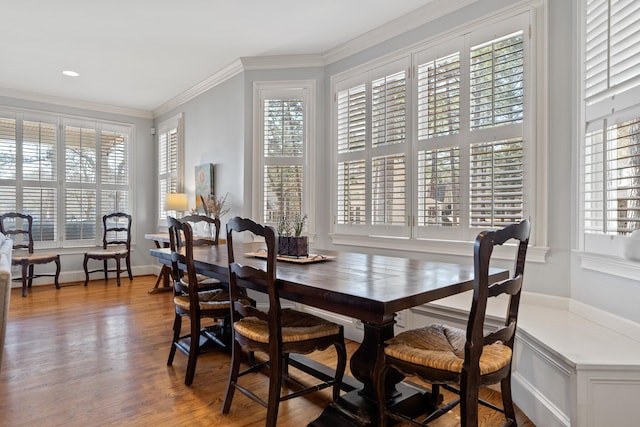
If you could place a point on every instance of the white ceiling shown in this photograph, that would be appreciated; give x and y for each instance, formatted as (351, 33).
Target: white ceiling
(139, 54)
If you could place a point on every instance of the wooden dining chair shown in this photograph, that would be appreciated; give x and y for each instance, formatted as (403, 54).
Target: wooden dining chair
(116, 245)
(277, 332)
(444, 355)
(194, 301)
(208, 235)
(24, 255)
(206, 229)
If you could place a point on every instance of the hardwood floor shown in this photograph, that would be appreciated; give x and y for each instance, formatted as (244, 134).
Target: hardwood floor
(96, 356)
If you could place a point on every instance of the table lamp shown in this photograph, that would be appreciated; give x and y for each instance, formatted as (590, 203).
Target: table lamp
(177, 202)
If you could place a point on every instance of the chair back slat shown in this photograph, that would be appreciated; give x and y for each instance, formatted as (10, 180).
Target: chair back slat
(504, 334)
(21, 235)
(509, 286)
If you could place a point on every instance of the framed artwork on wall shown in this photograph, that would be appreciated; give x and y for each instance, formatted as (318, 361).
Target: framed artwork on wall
(204, 183)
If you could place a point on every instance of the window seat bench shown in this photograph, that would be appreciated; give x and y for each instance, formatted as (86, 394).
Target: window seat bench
(568, 370)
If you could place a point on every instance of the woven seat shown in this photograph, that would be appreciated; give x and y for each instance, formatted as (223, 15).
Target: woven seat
(116, 246)
(296, 326)
(276, 332)
(442, 347)
(19, 227)
(443, 355)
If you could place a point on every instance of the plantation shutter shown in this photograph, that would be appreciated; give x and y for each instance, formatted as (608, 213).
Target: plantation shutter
(439, 187)
(167, 168)
(81, 177)
(283, 140)
(612, 51)
(497, 167)
(114, 172)
(439, 97)
(352, 138)
(496, 183)
(497, 74)
(8, 161)
(611, 150)
(352, 196)
(39, 174)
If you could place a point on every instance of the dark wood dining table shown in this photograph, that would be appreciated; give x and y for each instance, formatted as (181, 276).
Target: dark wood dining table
(371, 288)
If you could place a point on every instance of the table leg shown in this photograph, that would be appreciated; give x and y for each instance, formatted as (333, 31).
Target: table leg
(164, 276)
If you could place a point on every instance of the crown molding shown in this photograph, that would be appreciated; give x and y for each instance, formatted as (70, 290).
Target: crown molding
(221, 76)
(282, 61)
(74, 103)
(430, 12)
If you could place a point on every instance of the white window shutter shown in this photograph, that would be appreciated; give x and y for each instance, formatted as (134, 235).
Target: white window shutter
(352, 192)
(496, 183)
(497, 76)
(439, 97)
(283, 142)
(439, 187)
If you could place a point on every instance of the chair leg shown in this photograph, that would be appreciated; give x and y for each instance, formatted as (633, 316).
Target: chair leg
(507, 401)
(25, 273)
(31, 269)
(275, 387)
(468, 403)
(194, 348)
(236, 355)
(380, 375)
(177, 326)
(106, 270)
(57, 277)
(128, 260)
(86, 270)
(117, 270)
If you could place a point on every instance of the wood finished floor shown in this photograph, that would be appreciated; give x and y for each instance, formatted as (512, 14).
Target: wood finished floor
(96, 356)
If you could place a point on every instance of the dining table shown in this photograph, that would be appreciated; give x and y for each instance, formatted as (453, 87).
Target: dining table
(367, 287)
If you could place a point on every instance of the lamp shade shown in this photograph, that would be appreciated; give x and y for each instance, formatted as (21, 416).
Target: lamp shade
(176, 202)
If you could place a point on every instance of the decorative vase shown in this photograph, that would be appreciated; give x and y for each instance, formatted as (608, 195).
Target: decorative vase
(293, 246)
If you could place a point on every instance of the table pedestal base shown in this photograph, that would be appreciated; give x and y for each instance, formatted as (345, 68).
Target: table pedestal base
(354, 410)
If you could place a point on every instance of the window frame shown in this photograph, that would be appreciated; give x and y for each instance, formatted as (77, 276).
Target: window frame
(613, 104)
(306, 90)
(529, 20)
(59, 184)
(166, 127)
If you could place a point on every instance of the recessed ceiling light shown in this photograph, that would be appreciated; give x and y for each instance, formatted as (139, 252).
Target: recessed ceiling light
(70, 73)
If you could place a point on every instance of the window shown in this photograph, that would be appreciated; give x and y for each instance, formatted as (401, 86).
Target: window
(170, 163)
(65, 172)
(436, 144)
(611, 108)
(282, 140)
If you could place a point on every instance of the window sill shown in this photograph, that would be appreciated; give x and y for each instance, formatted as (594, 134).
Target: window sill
(441, 247)
(615, 266)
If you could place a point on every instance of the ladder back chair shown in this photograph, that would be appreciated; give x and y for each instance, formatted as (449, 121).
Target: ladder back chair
(443, 355)
(116, 245)
(195, 299)
(276, 333)
(207, 234)
(21, 232)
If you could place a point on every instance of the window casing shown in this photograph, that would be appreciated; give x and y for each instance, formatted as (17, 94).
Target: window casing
(170, 163)
(610, 149)
(284, 123)
(437, 143)
(66, 172)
